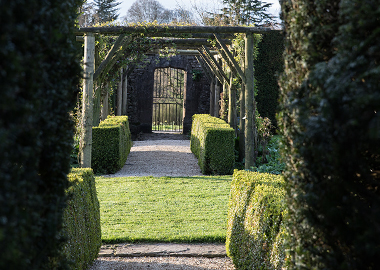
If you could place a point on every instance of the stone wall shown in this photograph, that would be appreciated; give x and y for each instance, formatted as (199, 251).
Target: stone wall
(140, 91)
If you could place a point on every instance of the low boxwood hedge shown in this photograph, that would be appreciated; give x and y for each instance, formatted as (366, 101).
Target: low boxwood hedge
(111, 144)
(255, 230)
(81, 220)
(212, 142)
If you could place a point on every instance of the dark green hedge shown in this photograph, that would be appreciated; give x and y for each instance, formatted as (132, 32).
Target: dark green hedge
(255, 229)
(212, 142)
(268, 66)
(81, 220)
(111, 144)
(330, 94)
(39, 75)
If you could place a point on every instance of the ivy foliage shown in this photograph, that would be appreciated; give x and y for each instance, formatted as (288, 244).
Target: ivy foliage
(39, 74)
(330, 102)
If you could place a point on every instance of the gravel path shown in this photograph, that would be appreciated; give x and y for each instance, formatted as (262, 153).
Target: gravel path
(163, 263)
(161, 154)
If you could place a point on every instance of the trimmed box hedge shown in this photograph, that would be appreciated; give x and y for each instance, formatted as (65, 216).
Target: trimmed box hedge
(81, 219)
(212, 142)
(111, 144)
(255, 230)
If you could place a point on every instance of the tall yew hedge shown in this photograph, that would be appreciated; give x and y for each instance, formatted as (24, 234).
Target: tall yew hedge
(268, 65)
(39, 75)
(330, 119)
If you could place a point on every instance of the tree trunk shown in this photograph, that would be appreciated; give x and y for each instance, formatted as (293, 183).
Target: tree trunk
(87, 101)
(249, 104)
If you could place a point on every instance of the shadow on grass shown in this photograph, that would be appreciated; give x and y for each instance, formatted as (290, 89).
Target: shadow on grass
(182, 240)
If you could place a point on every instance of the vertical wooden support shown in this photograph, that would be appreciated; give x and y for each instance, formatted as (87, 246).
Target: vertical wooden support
(120, 94)
(97, 105)
(242, 118)
(217, 98)
(212, 96)
(124, 104)
(232, 104)
(249, 103)
(87, 100)
(105, 103)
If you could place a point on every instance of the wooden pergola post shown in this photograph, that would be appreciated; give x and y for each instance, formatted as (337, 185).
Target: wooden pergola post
(249, 103)
(124, 109)
(242, 121)
(87, 100)
(119, 94)
(105, 104)
(212, 96)
(232, 103)
(217, 98)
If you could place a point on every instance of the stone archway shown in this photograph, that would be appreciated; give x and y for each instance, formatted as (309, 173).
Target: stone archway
(141, 87)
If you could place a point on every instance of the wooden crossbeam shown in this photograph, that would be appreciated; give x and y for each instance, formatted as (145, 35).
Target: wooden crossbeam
(216, 64)
(159, 30)
(206, 69)
(210, 65)
(231, 60)
(189, 42)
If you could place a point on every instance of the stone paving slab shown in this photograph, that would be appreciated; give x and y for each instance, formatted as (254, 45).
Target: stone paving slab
(161, 250)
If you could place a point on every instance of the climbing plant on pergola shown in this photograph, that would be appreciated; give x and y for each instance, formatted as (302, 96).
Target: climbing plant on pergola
(187, 38)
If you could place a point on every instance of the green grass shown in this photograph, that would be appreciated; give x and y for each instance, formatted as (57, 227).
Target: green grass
(167, 209)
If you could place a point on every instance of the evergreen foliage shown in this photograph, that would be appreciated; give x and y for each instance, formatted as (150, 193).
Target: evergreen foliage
(268, 65)
(39, 75)
(111, 144)
(246, 12)
(240, 12)
(81, 220)
(331, 126)
(107, 10)
(255, 231)
(212, 142)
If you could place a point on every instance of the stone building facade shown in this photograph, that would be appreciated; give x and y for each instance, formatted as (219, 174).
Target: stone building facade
(140, 91)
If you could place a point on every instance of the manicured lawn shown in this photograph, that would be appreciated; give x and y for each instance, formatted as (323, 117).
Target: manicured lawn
(167, 209)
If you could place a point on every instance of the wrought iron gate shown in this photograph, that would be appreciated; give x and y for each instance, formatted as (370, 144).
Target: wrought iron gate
(169, 84)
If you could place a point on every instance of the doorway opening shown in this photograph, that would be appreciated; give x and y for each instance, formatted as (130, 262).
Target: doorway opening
(168, 93)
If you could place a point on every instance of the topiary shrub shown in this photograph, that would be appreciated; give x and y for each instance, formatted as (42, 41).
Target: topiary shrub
(255, 216)
(111, 144)
(212, 142)
(330, 121)
(81, 220)
(39, 78)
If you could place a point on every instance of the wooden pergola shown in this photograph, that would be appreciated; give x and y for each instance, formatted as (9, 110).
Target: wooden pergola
(193, 40)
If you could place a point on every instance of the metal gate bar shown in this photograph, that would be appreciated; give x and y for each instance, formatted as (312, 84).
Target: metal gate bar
(168, 99)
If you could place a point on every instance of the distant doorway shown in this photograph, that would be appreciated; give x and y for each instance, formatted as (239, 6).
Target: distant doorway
(168, 93)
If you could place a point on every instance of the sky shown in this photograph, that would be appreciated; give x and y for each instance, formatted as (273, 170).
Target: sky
(187, 4)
